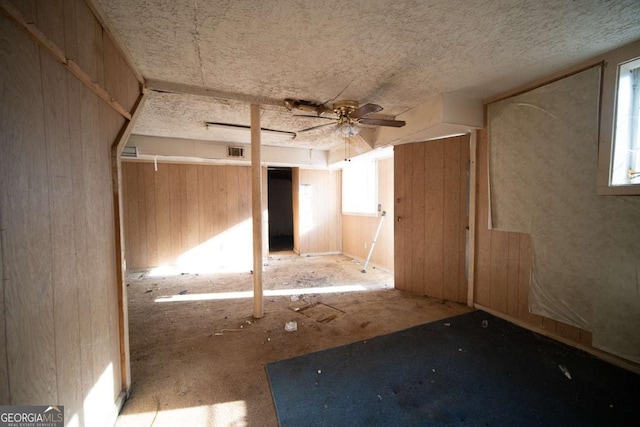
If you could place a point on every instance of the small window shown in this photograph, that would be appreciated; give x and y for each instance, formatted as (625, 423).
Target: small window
(359, 187)
(625, 163)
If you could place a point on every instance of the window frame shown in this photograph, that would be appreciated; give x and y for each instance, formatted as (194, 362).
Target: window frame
(609, 88)
(347, 194)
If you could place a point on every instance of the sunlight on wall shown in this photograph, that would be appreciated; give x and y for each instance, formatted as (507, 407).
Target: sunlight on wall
(96, 412)
(230, 251)
(73, 422)
(306, 209)
(219, 414)
(273, 293)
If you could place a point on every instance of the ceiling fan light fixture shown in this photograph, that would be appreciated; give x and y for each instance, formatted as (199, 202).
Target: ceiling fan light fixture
(347, 129)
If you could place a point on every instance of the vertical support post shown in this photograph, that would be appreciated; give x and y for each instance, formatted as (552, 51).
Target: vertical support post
(121, 267)
(473, 156)
(256, 204)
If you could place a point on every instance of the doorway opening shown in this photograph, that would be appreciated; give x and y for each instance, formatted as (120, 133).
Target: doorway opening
(280, 205)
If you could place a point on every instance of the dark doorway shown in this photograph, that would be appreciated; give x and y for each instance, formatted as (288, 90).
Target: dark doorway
(280, 209)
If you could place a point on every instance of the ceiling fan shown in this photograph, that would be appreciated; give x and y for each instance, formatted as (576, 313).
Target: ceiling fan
(347, 115)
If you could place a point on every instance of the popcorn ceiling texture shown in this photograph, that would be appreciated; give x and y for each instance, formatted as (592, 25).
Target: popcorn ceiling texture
(396, 54)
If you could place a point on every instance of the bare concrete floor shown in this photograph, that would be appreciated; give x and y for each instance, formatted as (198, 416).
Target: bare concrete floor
(198, 357)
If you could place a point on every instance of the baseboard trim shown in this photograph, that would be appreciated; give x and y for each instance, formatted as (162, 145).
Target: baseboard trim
(603, 355)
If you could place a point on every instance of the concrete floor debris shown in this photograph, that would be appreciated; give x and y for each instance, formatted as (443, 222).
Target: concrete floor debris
(215, 351)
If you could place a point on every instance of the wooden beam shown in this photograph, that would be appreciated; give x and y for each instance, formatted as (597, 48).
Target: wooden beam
(118, 214)
(8, 10)
(256, 203)
(471, 268)
(162, 86)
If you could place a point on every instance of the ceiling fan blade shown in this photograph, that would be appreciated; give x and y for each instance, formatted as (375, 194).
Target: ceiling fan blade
(315, 127)
(365, 110)
(383, 122)
(315, 117)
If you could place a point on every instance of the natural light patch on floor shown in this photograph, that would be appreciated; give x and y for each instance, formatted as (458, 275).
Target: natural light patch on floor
(219, 414)
(273, 293)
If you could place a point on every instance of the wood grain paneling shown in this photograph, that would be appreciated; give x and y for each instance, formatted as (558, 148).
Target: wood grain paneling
(503, 265)
(65, 285)
(317, 216)
(358, 231)
(399, 211)
(185, 206)
(430, 206)
(26, 224)
(295, 204)
(59, 308)
(421, 232)
(435, 195)
(452, 208)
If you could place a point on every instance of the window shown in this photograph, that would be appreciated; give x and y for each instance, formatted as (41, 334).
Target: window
(359, 187)
(625, 165)
(615, 175)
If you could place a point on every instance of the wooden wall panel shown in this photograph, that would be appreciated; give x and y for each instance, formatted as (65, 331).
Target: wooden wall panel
(452, 207)
(150, 214)
(71, 30)
(26, 224)
(50, 20)
(295, 203)
(316, 201)
(86, 27)
(4, 369)
(358, 231)
(465, 209)
(398, 218)
(65, 285)
(186, 205)
(435, 196)
(503, 265)
(406, 221)
(431, 194)
(420, 235)
(59, 316)
(163, 213)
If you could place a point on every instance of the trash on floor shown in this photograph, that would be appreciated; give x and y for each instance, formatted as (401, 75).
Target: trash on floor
(565, 371)
(291, 326)
(183, 292)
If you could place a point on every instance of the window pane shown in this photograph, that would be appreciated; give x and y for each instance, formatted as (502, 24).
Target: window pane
(625, 168)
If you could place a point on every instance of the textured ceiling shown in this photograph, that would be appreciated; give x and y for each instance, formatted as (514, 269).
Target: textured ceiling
(394, 53)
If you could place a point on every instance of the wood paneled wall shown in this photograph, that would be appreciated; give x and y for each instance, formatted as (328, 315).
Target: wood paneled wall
(59, 285)
(181, 207)
(431, 217)
(503, 264)
(358, 231)
(317, 224)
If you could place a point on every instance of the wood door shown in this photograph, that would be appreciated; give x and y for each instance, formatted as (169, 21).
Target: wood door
(431, 217)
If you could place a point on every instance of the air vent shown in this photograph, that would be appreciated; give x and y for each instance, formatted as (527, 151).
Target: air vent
(235, 152)
(129, 151)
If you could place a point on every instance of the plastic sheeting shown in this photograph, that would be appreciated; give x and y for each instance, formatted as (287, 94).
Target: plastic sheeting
(543, 148)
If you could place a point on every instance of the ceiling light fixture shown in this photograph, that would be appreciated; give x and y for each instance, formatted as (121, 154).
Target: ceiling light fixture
(347, 128)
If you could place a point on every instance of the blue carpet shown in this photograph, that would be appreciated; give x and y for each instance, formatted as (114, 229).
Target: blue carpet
(463, 374)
